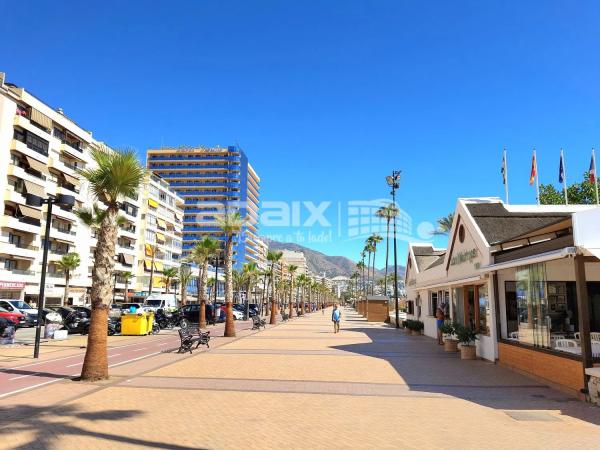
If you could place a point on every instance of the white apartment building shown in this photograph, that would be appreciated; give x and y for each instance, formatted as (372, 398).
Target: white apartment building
(298, 259)
(161, 237)
(43, 149)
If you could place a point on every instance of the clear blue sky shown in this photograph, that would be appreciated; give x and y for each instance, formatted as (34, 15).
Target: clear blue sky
(327, 97)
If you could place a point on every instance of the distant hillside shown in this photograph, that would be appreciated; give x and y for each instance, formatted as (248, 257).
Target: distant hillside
(320, 263)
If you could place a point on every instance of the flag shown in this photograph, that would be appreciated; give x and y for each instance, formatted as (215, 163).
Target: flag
(593, 169)
(533, 170)
(503, 169)
(561, 169)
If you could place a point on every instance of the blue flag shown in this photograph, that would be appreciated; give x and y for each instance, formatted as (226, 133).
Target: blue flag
(561, 170)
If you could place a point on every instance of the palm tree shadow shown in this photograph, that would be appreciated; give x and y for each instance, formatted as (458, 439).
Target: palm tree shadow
(41, 424)
(426, 368)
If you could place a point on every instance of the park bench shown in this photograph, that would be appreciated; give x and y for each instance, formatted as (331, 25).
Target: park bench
(257, 322)
(190, 336)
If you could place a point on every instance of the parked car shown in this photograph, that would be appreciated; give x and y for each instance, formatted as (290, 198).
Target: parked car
(167, 302)
(15, 317)
(30, 313)
(242, 309)
(191, 313)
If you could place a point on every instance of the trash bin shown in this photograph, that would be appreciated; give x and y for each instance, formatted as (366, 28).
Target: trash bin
(49, 330)
(137, 324)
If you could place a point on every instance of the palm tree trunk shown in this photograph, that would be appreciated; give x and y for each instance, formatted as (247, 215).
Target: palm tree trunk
(202, 295)
(291, 298)
(229, 323)
(67, 280)
(373, 283)
(95, 364)
(273, 319)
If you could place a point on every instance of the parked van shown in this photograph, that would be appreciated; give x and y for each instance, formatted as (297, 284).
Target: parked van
(165, 301)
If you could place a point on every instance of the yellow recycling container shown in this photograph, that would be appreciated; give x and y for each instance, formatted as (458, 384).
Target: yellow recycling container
(137, 324)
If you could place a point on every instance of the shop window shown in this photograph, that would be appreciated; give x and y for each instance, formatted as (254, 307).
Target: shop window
(410, 305)
(485, 314)
(433, 301)
(458, 306)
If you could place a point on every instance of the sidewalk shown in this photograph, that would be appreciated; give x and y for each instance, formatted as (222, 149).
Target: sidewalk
(298, 385)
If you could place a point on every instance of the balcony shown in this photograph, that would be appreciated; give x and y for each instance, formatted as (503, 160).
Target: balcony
(20, 225)
(19, 250)
(73, 151)
(193, 157)
(26, 124)
(209, 193)
(63, 234)
(25, 275)
(63, 166)
(26, 174)
(32, 152)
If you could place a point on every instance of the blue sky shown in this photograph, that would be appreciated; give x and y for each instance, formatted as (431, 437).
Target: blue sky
(327, 97)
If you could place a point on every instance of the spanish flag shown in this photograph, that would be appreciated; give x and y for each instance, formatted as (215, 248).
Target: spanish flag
(533, 170)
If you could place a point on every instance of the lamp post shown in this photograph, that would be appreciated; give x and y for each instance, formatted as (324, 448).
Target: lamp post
(393, 181)
(34, 200)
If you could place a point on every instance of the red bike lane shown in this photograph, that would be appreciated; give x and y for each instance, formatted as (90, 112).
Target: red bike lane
(23, 377)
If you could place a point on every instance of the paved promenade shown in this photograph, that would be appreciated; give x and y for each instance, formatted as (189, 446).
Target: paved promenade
(298, 385)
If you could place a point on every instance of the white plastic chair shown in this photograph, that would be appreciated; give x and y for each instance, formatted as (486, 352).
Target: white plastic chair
(566, 343)
(513, 335)
(595, 336)
(577, 335)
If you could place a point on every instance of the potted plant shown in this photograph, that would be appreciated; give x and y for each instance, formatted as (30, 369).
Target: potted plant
(450, 343)
(416, 327)
(466, 337)
(405, 326)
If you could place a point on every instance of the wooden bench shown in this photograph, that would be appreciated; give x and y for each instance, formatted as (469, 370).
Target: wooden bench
(190, 336)
(257, 322)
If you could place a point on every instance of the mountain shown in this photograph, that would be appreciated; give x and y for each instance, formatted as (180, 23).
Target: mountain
(320, 263)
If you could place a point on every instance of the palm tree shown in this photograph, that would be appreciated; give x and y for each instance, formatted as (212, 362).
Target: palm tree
(374, 240)
(68, 263)
(273, 257)
(201, 253)
(292, 270)
(126, 276)
(354, 277)
(302, 281)
(230, 224)
(252, 275)
(169, 274)
(388, 213)
(361, 268)
(185, 276)
(116, 174)
(239, 282)
(444, 225)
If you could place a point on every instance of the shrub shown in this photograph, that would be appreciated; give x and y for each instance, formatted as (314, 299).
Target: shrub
(465, 335)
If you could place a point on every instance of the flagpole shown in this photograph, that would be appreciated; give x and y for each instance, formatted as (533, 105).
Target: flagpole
(506, 176)
(564, 176)
(595, 176)
(537, 179)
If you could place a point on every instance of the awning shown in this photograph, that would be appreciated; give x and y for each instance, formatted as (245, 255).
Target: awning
(158, 266)
(41, 119)
(34, 189)
(36, 165)
(152, 203)
(147, 264)
(70, 179)
(177, 217)
(127, 259)
(534, 259)
(161, 223)
(30, 212)
(160, 237)
(148, 248)
(453, 282)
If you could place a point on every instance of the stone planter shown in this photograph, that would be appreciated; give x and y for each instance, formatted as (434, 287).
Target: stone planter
(468, 352)
(406, 331)
(450, 345)
(415, 332)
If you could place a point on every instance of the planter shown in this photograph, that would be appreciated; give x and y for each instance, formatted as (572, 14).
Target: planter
(415, 332)
(468, 352)
(450, 345)
(407, 331)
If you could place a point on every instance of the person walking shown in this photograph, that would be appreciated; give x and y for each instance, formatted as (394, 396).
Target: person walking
(440, 317)
(336, 316)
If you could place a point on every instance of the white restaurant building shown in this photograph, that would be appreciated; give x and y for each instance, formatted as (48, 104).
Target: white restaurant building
(526, 277)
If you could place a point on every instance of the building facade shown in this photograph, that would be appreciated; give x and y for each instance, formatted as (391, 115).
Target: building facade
(526, 278)
(44, 149)
(161, 238)
(212, 181)
(293, 258)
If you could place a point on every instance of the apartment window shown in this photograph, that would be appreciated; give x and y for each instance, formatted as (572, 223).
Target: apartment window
(129, 209)
(14, 239)
(32, 141)
(153, 190)
(10, 264)
(59, 134)
(151, 220)
(150, 236)
(162, 196)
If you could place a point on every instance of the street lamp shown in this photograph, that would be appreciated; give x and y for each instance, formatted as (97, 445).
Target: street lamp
(34, 200)
(393, 181)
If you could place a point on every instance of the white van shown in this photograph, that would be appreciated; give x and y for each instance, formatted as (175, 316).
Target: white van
(167, 302)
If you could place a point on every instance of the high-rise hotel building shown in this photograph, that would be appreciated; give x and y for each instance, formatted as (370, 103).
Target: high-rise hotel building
(212, 181)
